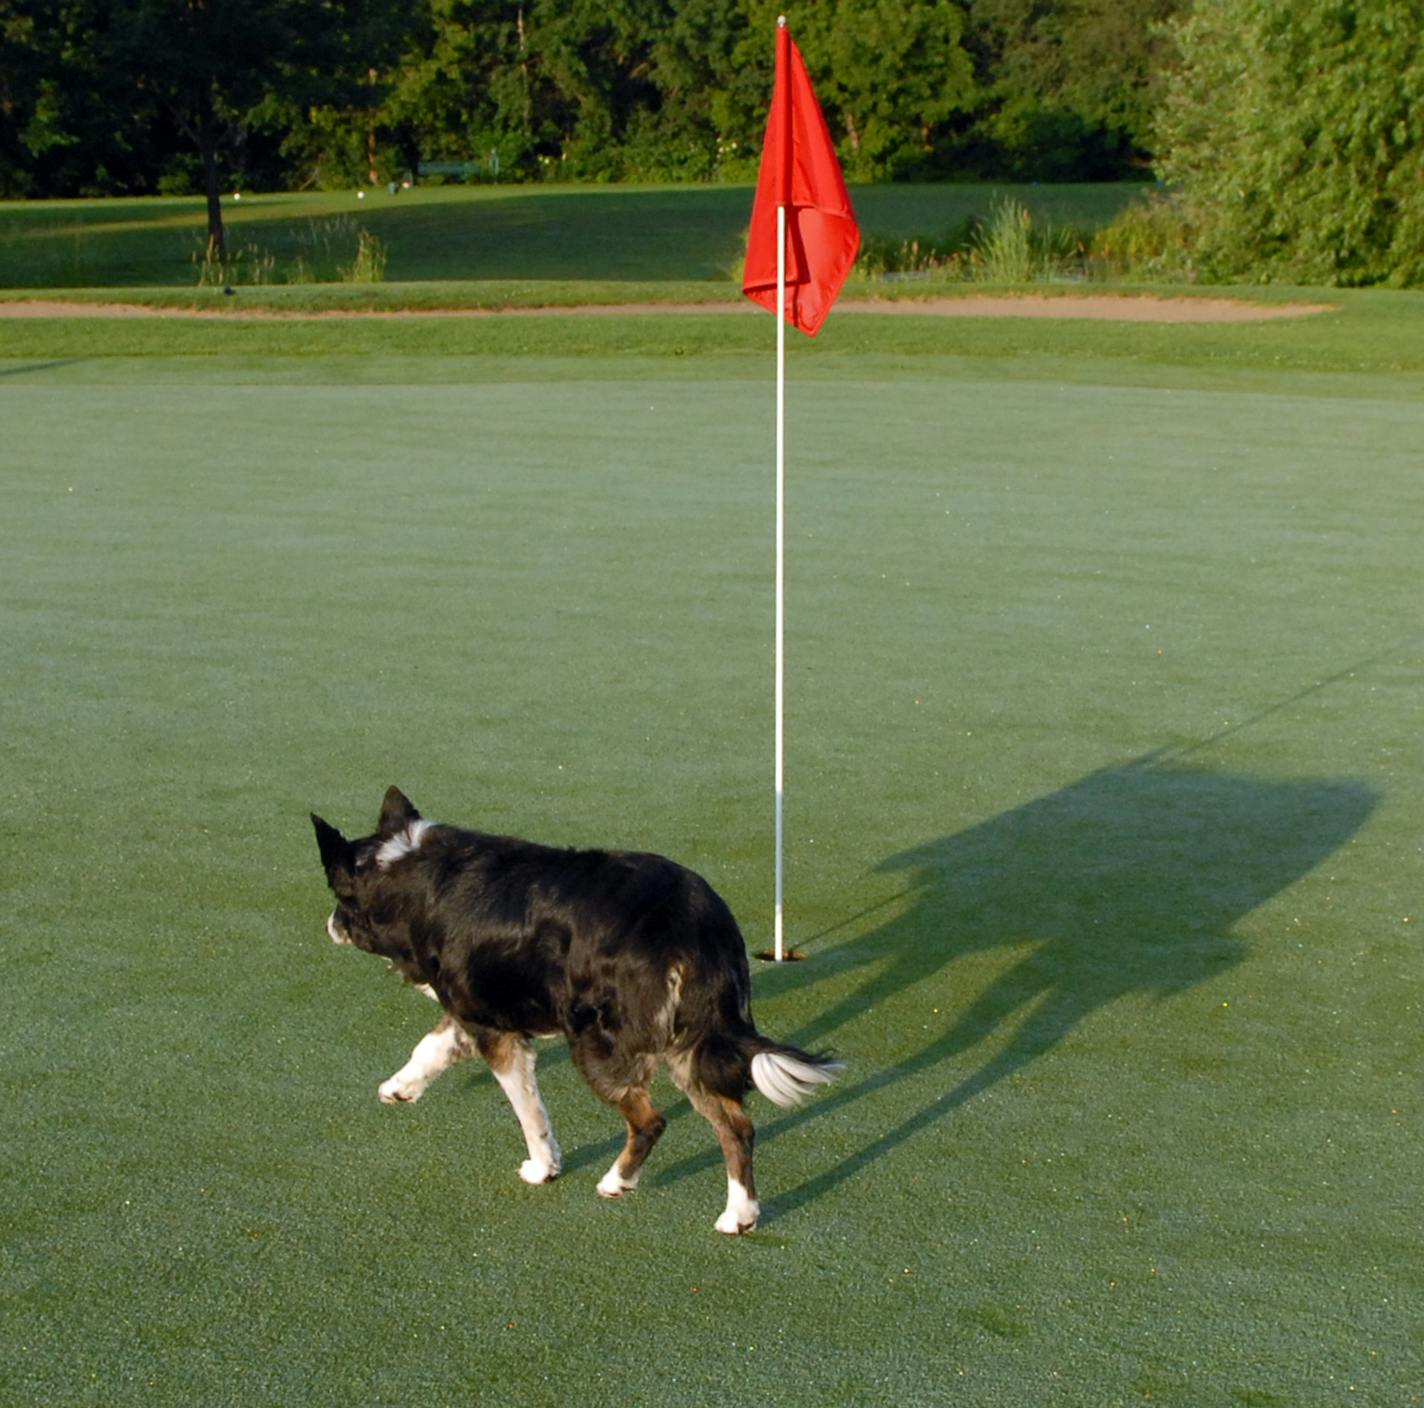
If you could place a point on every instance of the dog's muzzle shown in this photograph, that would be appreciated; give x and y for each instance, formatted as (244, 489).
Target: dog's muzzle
(335, 934)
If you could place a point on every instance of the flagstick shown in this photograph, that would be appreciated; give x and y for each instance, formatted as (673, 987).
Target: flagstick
(799, 171)
(780, 553)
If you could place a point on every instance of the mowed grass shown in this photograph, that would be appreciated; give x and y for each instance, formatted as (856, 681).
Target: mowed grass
(614, 233)
(1367, 345)
(1104, 835)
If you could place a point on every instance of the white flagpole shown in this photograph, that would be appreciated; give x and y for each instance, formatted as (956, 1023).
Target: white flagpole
(780, 551)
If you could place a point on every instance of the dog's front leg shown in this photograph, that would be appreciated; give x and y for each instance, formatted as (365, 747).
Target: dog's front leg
(511, 1059)
(435, 1052)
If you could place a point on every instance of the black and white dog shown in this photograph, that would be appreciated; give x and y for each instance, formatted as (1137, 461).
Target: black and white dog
(634, 959)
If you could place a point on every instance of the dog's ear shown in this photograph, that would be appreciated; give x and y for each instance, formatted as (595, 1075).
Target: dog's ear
(337, 853)
(396, 814)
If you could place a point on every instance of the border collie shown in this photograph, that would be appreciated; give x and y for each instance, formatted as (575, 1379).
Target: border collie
(634, 959)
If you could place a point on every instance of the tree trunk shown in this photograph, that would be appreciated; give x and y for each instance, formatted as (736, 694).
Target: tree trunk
(373, 176)
(208, 147)
(526, 88)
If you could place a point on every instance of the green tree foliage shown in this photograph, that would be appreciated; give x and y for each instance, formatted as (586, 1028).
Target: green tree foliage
(223, 69)
(463, 87)
(712, 88)
(891, 76)
(102, 97)
(1295, 134)
(595, 89)
(594, 70)
(647, 89)
(328, 106)
(71, 122)
(27, 105)
(1069, 88)
(138, 95)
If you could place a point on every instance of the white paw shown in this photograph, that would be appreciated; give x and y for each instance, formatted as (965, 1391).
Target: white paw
(400, 1092)
(614, 1185)
(741, 1213)
(734, 1223)
(537, 1171)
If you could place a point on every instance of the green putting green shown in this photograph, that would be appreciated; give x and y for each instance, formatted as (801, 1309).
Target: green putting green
(1103, 813)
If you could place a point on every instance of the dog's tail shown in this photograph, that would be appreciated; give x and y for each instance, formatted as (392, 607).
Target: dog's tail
(786, 1075)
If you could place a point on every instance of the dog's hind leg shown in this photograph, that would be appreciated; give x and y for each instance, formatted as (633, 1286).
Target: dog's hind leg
(434, 1053)
(622, 1080)
(736, 1134)
(645, 1127)
(511, 1059)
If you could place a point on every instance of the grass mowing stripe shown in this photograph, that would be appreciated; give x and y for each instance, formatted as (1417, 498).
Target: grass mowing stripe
(1131, 1032)
(1373, 335)
(748, 370)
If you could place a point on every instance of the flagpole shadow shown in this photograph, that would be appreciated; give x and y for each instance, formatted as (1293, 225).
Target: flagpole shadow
(1128, 882)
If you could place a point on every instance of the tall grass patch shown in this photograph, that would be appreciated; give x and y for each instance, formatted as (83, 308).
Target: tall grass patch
(332, 249)
(1009, 245)
(1151, 240)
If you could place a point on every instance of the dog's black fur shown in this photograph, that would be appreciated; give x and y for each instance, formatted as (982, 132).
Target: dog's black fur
(633, 958)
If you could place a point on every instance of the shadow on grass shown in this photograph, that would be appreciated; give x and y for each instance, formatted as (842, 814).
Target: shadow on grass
(1128, 882)
(29, 368)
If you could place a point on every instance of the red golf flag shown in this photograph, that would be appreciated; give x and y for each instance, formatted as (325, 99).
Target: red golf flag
(799, 170)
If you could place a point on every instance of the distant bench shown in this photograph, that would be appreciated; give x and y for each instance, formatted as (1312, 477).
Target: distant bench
(487, 170)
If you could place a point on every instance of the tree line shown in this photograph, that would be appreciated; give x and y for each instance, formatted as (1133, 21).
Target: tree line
(1291, 136)
(108, 97)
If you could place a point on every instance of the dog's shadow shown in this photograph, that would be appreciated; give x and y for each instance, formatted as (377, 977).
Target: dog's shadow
(1128, 881)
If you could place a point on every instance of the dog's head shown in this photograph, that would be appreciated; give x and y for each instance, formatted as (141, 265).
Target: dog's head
(372, 905)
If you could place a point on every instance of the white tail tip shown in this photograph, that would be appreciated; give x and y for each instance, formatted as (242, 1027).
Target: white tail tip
(786, 1080)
